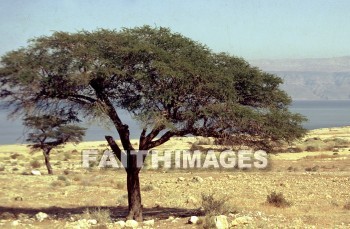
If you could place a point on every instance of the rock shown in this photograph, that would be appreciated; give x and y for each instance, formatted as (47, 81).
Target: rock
(241, 221)
(170, 218)
(7, 215)
(131, 223)
(120, 224)
(193, 220)
(22, 216)
(35, 172)
(221, 222)
(92, 221)
(197, 179)
(149, 223)
(81, 224)
(15, 223)
(41, 216)
(181, 179)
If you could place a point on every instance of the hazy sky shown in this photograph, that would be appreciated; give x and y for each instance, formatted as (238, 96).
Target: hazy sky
(250, 29)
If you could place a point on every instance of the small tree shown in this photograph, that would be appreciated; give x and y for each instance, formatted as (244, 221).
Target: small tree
(173, 85)
(50, 131)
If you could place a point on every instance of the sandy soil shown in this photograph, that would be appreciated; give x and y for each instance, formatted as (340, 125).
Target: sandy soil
(316, 183)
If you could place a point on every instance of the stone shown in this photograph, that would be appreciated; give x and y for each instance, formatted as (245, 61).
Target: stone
(149, 223)
(197, 179)
(221, 222)
(41, 216)
(15, 223)
(92, 221)
(120, 224)
(35, 172)
(181, 179)
(7, 215)
(131, 223)
(82, 224)
(241, 221)
(193, 220)
(170, 218)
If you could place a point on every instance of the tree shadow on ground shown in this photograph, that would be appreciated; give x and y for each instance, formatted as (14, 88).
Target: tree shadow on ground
(116, 212)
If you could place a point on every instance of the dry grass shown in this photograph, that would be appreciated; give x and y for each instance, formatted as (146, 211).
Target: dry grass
(320, 199)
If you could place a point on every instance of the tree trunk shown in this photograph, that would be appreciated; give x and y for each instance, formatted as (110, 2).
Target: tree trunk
(47, 161)
(134, 194)
(133, 181)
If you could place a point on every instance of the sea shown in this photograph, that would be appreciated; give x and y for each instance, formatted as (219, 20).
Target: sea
(320, 114)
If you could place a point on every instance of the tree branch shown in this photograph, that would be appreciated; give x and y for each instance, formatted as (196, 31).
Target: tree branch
(115, 148)
(165, 137)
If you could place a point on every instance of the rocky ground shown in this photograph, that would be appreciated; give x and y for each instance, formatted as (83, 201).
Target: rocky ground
(315, 184)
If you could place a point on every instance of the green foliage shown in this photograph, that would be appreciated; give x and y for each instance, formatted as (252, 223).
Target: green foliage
(49, 131)
(170, 83)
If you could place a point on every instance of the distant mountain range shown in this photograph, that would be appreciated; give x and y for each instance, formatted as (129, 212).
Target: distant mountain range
(311, 79)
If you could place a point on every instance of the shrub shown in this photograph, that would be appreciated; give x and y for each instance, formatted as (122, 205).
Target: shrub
(67, 156)
(120, 185)
(102, 216)
(347, 206)
(14, 155)
(209, 222)
(2, 168)
(313, 148)
(213, 207)
(35, 164)
(277, 200)
(147, 188)
(122, 200)
(312, 169)
(62, 178)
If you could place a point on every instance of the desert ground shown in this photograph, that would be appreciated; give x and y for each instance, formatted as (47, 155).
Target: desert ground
(313, 175)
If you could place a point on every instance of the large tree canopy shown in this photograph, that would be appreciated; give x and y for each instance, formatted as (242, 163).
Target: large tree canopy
(173, 85)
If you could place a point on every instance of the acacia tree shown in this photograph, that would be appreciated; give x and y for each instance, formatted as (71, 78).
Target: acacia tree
(49, 131)
(173, 85)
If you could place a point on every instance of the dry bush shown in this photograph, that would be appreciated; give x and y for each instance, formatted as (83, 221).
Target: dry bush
(14, 156)
(147, 188)
(102, 216)
(209, 222)
(215, 206)
(62, 178)
(35, 164)
(121, 185)
(277, 200)
(347, 206)
(312, 169)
